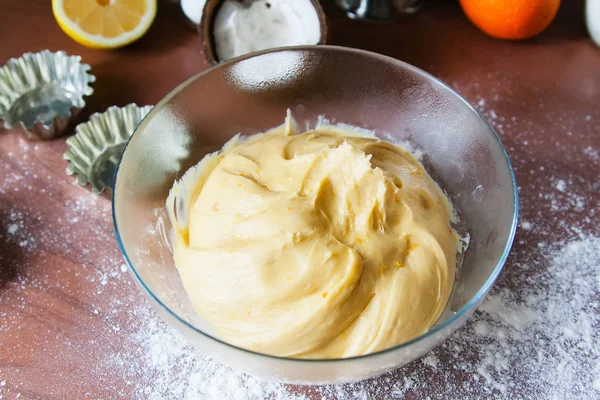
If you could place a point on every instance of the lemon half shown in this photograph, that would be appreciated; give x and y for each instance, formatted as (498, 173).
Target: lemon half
(106, 24)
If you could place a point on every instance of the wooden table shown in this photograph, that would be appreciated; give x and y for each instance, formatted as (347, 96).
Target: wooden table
(65, 303)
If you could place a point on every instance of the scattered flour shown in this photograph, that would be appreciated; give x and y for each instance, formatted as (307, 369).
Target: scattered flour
(169, 367)
(552, 327)
(539, 341)
(430, 360)
(536, 336)
(591, 153)
(482, 328)
(526, 225)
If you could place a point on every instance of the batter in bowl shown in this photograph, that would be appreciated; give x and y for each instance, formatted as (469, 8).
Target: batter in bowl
(322, 244)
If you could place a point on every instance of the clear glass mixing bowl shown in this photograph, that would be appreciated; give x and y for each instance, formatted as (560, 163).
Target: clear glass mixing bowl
(250, 95)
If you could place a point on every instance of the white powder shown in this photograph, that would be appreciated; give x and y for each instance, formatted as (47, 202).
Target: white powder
(170, 367)
(430, 360)
(535, 337)
(526, 225)
(242, 27)
(539, 341)
(482, 328)
(591, 153)
(12, 229)
(550, 325)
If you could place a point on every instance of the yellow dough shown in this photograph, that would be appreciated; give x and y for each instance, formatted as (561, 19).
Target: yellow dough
(324, 244)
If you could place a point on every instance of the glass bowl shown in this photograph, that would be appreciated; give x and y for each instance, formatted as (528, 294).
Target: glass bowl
(251, 94)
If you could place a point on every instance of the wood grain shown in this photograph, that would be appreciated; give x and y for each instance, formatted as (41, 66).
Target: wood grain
(65, 303)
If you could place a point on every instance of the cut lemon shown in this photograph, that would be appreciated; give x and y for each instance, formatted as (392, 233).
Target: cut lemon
(104, 24)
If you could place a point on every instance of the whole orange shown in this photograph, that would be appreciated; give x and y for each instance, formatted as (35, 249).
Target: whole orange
(511, 19)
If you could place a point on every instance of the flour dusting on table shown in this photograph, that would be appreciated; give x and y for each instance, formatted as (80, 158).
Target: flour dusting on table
(536, 336)
(543, 338)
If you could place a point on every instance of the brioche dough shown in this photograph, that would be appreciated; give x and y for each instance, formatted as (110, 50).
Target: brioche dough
(324, 244)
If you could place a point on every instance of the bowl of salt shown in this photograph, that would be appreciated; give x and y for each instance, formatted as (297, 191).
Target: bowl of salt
(232, 28)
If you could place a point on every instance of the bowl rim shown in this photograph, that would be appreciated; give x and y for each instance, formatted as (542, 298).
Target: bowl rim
(466, 309)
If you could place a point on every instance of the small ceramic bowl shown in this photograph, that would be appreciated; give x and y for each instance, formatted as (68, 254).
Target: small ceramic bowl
(206, 28)
(251, 94)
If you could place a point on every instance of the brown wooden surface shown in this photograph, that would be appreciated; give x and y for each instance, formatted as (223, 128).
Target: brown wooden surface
(59, 260)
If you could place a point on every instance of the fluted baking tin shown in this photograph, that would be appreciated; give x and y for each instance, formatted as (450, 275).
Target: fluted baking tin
(41, 92)
(96, 147)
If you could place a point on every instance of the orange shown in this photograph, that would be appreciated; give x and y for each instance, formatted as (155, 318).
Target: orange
(511, 19)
